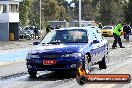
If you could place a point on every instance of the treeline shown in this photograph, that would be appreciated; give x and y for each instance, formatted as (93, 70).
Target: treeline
(104, 11)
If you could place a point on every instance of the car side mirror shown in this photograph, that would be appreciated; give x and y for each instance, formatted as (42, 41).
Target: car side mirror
(95, 41)
(35, 43)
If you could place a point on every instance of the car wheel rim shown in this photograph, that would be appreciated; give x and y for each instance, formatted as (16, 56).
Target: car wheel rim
(87, 64)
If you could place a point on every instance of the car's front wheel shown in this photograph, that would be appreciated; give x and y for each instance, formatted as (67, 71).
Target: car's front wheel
(87, 64)
(102, 64)
(32, 73)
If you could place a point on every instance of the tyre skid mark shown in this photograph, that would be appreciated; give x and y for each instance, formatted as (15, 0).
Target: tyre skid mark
(13, 76)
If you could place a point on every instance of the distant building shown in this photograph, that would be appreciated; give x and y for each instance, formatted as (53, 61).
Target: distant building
(62, 24)
(83, 23)
(9, 19)
(75, 23)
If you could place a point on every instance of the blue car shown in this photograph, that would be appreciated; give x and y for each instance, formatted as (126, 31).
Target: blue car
(68, 49)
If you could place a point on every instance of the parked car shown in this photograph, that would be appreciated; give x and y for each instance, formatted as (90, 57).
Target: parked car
(131, 31)
(67, 49)
(24, 34)
(21, 33)
(107, 30)
(29, 30)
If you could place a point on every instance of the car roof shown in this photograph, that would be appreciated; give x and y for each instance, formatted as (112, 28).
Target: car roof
(73, 28)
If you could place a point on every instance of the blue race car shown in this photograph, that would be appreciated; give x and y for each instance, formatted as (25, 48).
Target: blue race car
(68, 49)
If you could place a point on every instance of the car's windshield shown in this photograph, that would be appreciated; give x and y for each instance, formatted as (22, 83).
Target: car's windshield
(107, 28)
(27, 28)
(66, 36)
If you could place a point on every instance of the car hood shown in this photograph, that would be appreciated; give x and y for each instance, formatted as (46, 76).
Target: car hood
(60, 49)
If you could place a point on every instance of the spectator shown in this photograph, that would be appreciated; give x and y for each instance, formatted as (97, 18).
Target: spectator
(100, 26)
(57, 27)
(36, 32)
(48, 29)
(127, 31)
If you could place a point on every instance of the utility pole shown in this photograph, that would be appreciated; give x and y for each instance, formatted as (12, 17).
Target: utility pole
(79, 13)
(40, 15)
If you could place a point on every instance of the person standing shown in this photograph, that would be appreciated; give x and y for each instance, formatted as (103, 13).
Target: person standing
(117, 33)
(57, 27)
(36, 32)
(127, 31)
(49, 28)
(100, 26)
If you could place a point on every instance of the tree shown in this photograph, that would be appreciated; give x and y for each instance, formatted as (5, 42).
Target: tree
(105, 11)
(111, 11)
(24, 12)
(65, 8)
(126, 12)
(130, 11)
(51, 10)
(34, 13)
(89, 9)
(61, 13)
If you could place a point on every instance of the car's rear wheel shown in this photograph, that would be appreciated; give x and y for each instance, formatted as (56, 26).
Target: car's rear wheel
(87, 64)
(102, 64)
(32, 73)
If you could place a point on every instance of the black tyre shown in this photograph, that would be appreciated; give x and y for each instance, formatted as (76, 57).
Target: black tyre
(81, 80)
(87, 64)
(102, 64)
(32, 73)
(21, 37)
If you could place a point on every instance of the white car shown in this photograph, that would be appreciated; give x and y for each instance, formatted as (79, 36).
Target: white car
(29, 30)
(131, 31)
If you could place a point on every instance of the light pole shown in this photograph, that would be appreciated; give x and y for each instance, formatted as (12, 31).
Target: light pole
(79, 13)
(40, 16)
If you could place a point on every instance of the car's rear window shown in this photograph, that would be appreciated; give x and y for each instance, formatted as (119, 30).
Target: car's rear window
(107, 28)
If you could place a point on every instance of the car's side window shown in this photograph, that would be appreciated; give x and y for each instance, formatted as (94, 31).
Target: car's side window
(92, 36)
(98, 35)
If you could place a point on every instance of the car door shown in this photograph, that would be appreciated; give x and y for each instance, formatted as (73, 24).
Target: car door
(94, 46)
(100, 45)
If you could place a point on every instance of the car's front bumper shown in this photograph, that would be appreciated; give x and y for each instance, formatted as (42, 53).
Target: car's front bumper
(50, 68)
(64, 64)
